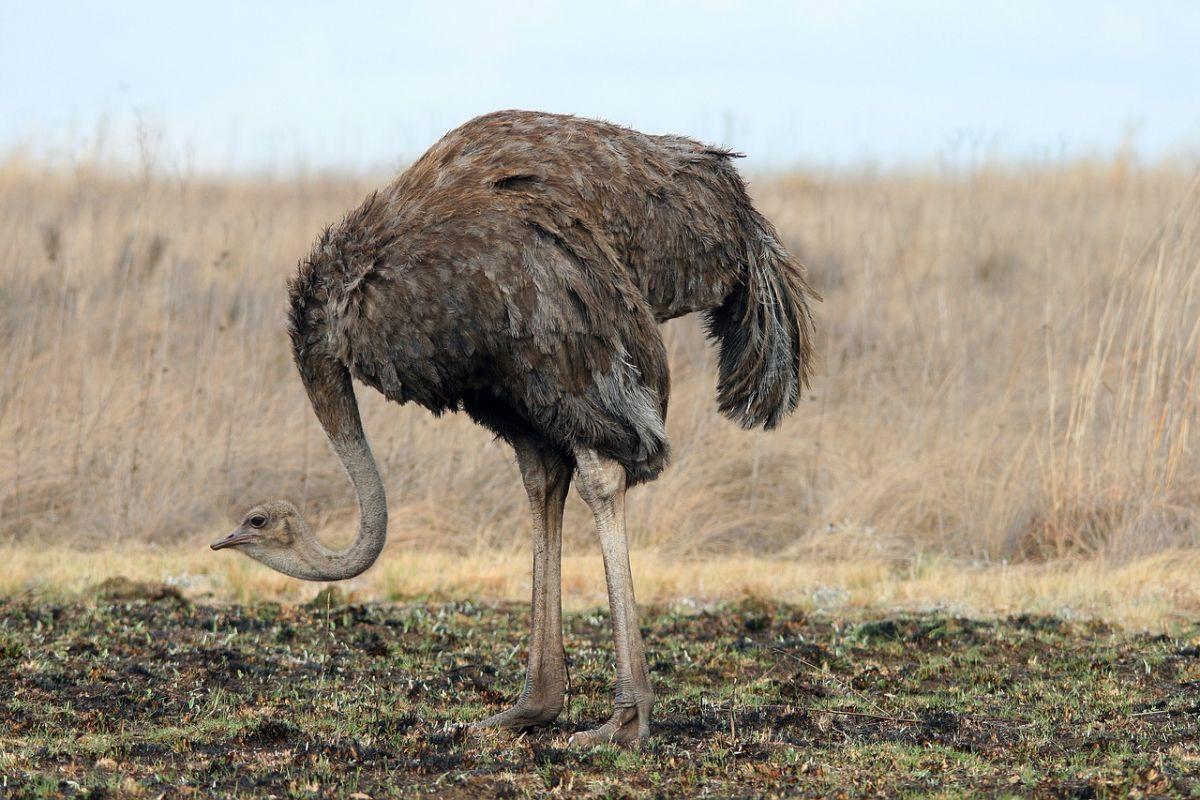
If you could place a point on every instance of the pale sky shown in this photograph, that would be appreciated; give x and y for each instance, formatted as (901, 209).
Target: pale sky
(270, 85)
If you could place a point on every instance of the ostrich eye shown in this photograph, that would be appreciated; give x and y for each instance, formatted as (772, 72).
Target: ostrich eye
(257, 521)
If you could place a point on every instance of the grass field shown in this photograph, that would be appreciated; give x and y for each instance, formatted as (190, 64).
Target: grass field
(141, 694)
(1160, 594)
(969, 563)
(1007, 374)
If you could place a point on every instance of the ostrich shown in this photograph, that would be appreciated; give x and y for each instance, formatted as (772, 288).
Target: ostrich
(518, 271)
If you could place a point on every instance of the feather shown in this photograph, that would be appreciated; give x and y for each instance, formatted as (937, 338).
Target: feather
(519, 269)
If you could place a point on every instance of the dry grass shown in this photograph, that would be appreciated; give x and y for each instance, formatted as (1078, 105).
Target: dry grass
(1157, 593)
(1008, 377)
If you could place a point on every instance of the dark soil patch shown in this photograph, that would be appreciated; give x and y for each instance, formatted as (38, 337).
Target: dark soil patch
(141, 694)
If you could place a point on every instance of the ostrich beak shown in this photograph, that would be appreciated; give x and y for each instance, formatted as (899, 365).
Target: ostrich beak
(232, 540)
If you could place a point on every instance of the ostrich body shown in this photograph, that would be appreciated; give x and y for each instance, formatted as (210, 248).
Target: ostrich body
(518, 272)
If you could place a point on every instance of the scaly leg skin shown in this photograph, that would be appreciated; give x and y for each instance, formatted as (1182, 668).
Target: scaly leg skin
(601, 484)
(547, 479)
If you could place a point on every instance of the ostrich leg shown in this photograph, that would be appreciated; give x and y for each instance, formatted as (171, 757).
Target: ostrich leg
(601, 483)
(546, 479)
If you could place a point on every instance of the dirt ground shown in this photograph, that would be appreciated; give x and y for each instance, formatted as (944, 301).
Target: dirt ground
(139, 693)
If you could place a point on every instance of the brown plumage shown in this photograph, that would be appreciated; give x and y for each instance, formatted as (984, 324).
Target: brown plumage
(518, 271)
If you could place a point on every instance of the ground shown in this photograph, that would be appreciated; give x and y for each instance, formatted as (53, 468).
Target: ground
(139, 692)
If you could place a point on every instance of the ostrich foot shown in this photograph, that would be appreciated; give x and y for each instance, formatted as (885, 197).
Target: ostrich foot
(525, 714)
(627, 725)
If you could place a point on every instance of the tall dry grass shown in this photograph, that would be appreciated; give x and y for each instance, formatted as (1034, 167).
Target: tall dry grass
(1008, 367)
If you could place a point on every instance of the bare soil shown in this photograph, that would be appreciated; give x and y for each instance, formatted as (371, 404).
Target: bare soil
(139, 693)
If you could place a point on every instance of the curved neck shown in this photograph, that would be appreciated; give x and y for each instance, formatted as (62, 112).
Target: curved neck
(326, 564)
(332, 396)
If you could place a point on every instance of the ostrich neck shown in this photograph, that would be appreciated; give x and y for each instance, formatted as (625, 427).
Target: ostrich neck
(332, 396)
(326, 564)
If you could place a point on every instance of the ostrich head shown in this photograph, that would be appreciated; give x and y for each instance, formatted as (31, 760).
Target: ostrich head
(275, 534)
